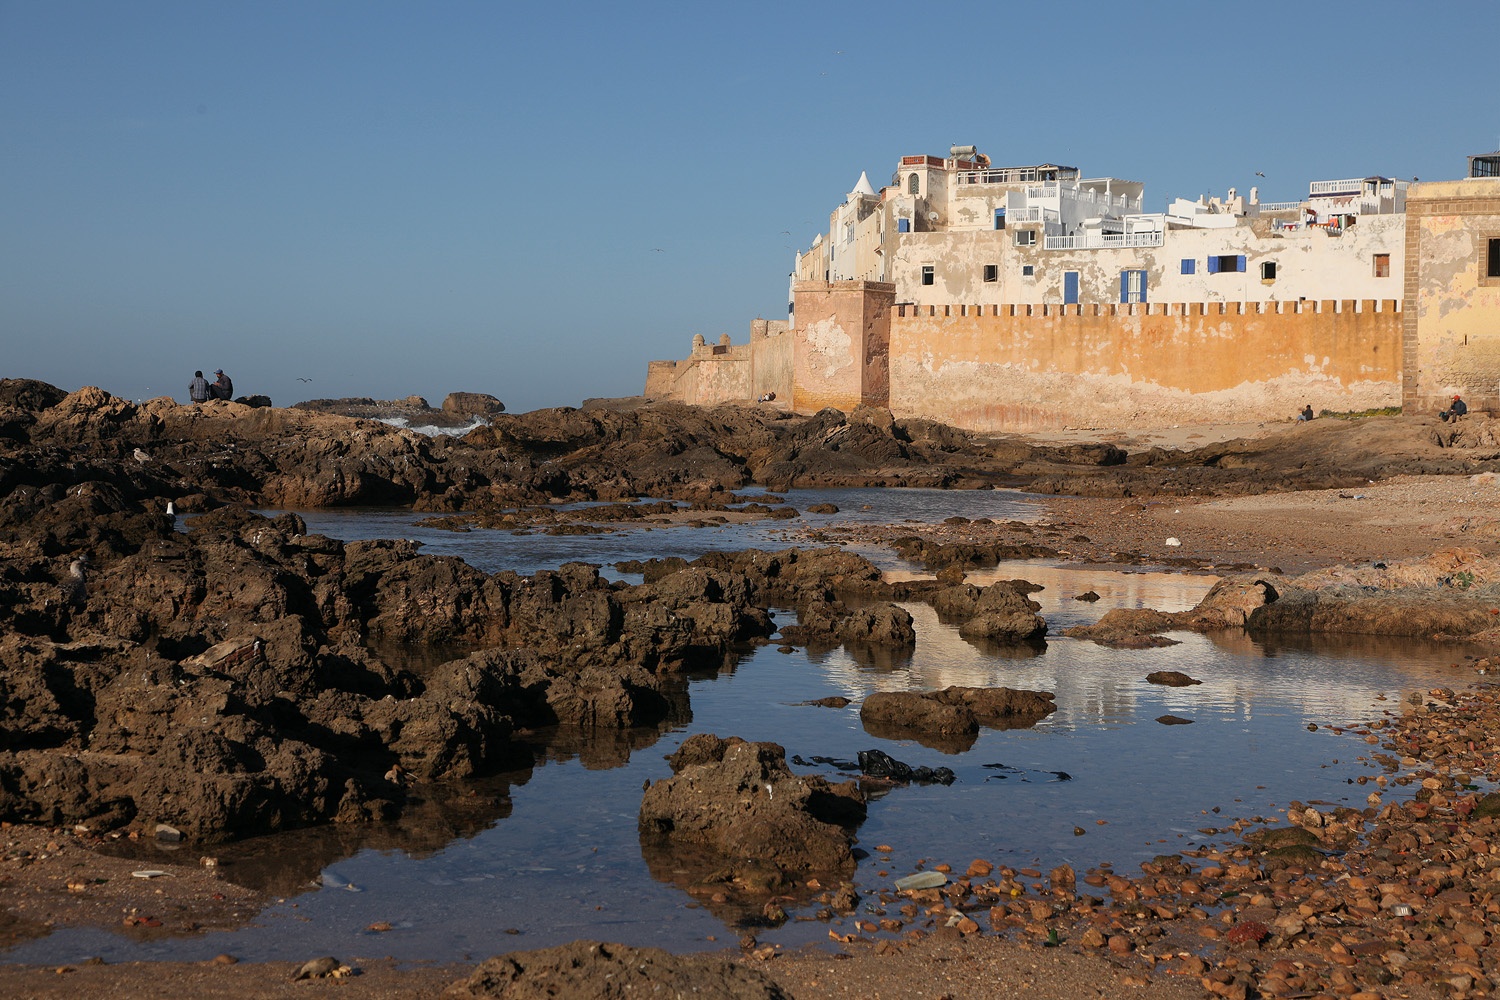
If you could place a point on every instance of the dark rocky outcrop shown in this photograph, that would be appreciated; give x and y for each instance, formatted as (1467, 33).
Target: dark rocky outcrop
(997, 612)
(950, 719)
(238, 649)
(739, 802)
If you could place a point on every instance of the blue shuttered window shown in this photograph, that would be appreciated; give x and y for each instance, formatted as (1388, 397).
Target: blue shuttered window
(903, 225)
(1190, 266)
(1213, 265)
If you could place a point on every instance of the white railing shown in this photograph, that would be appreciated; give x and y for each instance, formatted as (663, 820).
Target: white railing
(1280, 206)
(1103, 241)
(1035, 213)
(1350, 185)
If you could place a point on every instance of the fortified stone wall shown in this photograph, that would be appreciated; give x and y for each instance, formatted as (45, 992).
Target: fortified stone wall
(1037, 367)
(726, 372)
(1451, 338)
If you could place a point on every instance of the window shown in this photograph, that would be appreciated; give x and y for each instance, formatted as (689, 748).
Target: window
(1382, 265)
(1132, 286)
(1025, 237)
(903, 225)
(927, 274)
(1268, 270)
(1189, 265)
(848, 231)
(999, 218)
(992, 272)
(1027, 270)
(1226, 262)
(1494, 263)
(913, 185)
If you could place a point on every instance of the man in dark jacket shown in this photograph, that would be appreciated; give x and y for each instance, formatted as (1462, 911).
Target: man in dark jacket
(223, 388)
(1457, 409)
(198, 390)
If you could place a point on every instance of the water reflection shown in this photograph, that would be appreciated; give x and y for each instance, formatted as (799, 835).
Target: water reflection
(554, 851)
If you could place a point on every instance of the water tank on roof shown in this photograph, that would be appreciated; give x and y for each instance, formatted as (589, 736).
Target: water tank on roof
(962, 152)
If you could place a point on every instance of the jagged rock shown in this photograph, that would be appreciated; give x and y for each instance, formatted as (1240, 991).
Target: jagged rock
(743, 804)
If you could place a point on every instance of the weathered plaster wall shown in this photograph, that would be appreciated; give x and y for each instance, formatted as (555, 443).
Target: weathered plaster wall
(840, 343)
(1452, 317)
(1309, 264)
(1026, 368)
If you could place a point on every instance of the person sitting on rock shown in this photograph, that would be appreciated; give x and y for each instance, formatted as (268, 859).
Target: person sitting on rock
(1306, 414)
(223, 387)
(198, 389)
(1457, 409)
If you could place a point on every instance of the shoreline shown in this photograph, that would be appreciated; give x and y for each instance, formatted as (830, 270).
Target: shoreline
(1124, 932)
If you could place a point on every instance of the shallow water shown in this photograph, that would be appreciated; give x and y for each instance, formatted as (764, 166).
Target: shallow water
(552, 852)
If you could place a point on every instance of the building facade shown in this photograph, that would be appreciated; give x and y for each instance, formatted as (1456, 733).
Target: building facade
(1030, 297)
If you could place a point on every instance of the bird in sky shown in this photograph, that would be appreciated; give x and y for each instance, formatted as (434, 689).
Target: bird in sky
(1259, 174)
(657, 250)
(301, 379)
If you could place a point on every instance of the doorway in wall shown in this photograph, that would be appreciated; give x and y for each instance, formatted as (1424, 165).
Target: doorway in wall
(1070, 288)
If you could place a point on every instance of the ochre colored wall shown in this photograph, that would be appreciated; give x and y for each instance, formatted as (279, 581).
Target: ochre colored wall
(1452, 314)
(728, 373)
(839, 344)
(1022, 368)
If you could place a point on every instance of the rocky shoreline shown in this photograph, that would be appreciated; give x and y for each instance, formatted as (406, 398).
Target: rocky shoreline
(244, 648)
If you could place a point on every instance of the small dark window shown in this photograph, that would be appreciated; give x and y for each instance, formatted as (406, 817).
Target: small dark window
(992, 272)
(1027, 270)
(1226, 262)
(999, 218)
(1494, 268)
(1189, 265)
(1268, 270)
(927, 274)
(1025, 237)
(903, 225)
(913, 185)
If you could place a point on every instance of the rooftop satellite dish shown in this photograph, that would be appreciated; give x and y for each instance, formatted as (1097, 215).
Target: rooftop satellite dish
(932, 216)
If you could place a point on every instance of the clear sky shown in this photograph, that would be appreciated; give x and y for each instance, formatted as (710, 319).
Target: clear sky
(535, 199)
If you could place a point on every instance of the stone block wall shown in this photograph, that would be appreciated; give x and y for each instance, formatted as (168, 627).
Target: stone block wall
(1451, 333)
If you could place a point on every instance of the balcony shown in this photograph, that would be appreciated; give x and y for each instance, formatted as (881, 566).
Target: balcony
(1104, 241)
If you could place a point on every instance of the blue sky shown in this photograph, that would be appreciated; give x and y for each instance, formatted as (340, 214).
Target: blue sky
(533, 200)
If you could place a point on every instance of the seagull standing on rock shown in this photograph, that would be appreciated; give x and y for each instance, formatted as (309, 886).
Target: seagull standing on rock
(142, 456)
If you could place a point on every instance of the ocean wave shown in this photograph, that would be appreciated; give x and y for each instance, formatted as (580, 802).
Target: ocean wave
(432, 430)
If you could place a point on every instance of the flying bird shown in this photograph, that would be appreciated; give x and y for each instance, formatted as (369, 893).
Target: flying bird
(1259, 174)
(301, 379)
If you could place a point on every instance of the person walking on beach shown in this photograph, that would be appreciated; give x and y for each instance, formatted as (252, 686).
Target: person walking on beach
(223, 387)
(198, 390)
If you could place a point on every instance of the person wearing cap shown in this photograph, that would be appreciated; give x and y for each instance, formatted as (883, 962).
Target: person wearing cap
(1455, 409)
(223, 387)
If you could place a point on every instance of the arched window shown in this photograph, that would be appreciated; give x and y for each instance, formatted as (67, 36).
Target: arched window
(913, 185)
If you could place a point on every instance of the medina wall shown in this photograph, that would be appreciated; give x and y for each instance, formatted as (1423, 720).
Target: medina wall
(1020, 368)
(1452, 311)
(726, 372)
